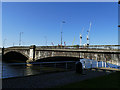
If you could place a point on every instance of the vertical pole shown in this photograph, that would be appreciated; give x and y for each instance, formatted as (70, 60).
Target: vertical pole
(105, 62)
(20, 39)
(84, 65)
(61, 38)
(102, 60)
(80, 39)
(87, 40)
(97, 62)
(61, 31)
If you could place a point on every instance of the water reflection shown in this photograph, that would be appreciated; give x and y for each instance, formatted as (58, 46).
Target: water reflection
(24, 69)
(29, 65)
(17, 69)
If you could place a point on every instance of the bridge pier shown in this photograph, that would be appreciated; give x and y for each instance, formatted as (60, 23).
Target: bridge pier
(31, 54)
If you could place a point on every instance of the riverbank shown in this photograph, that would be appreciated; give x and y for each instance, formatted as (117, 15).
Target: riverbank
(107, 81)
(51, 80)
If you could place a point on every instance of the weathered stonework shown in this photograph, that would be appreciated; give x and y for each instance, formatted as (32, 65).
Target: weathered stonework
(33, 53)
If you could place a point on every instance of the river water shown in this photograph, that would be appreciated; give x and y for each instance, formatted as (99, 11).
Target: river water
(21, 69)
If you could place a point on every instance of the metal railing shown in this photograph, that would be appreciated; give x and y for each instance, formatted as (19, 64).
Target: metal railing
(108, 47)
(25, 69)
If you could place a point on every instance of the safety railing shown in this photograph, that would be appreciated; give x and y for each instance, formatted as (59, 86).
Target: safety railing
(25, 69)
(108, 47)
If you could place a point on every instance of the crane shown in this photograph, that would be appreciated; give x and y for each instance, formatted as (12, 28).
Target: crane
(88, 34)
(64, 43)
(52, 43)
(81, 36)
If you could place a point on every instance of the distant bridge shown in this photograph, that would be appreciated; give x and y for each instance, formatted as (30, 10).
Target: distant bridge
(107, 53)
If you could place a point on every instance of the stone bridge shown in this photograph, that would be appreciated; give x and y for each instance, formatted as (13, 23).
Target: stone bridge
(107, 53)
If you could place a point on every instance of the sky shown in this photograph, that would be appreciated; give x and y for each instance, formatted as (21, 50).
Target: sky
(41, 23)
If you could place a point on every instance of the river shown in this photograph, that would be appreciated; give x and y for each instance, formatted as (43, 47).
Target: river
(21, 69)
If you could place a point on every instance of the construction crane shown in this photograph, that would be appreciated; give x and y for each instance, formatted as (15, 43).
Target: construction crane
(52, 43)
(88, 39)
(64, 43)
(81, 37)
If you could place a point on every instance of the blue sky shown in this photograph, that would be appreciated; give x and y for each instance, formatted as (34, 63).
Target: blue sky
(42, 21)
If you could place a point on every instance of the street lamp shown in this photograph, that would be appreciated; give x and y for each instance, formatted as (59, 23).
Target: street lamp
(20, 38)
(61, 31)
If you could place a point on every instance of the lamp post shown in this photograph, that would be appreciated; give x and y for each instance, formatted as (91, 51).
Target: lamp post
(20, 38)
(61, 31)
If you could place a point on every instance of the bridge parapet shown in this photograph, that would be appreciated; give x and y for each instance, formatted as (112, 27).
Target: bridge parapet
(101, 47)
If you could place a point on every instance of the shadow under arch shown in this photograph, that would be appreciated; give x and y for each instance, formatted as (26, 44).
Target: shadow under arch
(14, 56)
(57, 58)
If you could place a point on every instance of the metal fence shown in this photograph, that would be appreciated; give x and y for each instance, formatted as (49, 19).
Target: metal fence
(25, 69)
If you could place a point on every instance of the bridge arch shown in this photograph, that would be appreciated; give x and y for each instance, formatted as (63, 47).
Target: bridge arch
(57, 58)
(15, 56)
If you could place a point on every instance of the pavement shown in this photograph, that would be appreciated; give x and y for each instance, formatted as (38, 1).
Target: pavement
(50, 80)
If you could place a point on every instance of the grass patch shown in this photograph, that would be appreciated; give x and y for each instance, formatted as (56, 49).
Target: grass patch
(108, 81)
